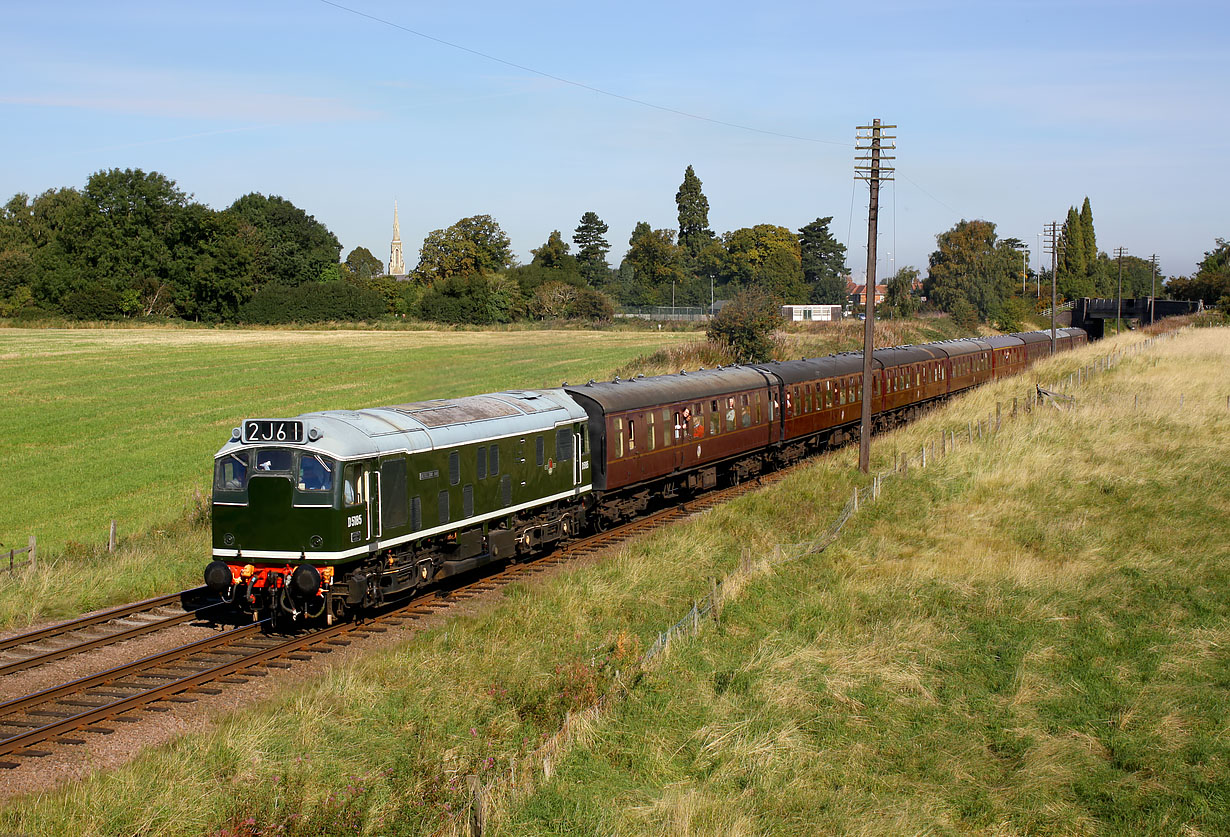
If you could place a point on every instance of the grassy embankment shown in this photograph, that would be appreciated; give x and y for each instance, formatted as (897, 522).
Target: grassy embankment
(108, 423)
(1026, 636)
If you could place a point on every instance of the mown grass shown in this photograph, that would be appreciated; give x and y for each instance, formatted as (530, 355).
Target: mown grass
(1027, 636)
(102, 424)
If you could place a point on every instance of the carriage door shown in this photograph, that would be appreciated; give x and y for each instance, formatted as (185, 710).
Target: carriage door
(374, 528)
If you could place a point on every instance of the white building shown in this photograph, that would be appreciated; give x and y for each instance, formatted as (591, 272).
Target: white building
(811, 313)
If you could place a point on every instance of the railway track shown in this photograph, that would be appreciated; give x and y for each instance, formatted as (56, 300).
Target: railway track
(96, 704)
(108, 627)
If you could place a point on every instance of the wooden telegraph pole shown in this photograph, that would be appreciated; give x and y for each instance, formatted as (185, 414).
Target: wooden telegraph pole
(871, 139)
(1119, 253)
(1053, 245)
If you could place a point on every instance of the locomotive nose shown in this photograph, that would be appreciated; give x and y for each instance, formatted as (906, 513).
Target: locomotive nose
(218, 577)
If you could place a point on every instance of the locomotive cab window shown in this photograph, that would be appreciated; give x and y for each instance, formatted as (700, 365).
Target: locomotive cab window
(563, 443)
(352, 484)
(315, 473)
(274, 460)
(231, 472)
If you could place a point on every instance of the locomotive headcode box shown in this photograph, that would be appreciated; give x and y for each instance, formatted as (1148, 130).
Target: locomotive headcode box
(280, 431)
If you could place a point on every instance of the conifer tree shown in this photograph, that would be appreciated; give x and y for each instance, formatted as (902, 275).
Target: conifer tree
(1091, 242)
(592, 248)
(1074, 267)
(694, 232)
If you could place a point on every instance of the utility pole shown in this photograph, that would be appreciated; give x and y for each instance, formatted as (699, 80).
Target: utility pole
(1053, 245)
(1152, 285)
(1119, 251)
(871, 169)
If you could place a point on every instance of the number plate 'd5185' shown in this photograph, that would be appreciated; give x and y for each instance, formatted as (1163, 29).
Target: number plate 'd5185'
(273, 430)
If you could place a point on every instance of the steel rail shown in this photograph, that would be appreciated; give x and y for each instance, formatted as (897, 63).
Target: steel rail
(103, 641)
(97, 618)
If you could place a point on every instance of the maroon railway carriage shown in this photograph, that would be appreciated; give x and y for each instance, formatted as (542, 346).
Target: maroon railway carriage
(814, 395)
(1037, 345)
(673, 432)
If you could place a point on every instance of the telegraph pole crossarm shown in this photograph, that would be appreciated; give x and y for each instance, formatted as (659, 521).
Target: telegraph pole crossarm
(874, 170)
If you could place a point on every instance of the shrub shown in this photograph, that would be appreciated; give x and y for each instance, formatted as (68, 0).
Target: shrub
(745, 326)
(312, 302)
(94, 302)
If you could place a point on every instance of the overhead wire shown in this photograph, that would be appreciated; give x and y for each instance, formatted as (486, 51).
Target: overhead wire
(578, 84)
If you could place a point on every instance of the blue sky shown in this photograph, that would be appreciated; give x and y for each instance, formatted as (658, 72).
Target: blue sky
(1008, 111)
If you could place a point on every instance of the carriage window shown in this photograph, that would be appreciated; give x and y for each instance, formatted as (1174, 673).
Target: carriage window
(273, 460)
(841, 393)
(315, 473)
(454, 468)
(649, 429)
(715, 419)
(231, 472)
(666, 427)
(681, 427)
(759, 407)
(482, 462)
(493, 459)
(619, 438)
(563, 444)
(631, 436)
(697, 420)
(730, 423)
(352, 484)
(745, 413)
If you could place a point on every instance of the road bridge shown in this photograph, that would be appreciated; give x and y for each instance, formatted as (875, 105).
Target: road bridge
(1092, 314)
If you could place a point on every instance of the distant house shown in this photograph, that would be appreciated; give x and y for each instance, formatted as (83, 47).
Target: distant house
(811, 313)
(858, 293)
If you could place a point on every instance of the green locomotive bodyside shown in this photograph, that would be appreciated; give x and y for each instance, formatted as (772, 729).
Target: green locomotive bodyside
(409, 493)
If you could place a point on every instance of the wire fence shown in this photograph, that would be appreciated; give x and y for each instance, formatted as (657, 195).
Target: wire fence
(706, 610)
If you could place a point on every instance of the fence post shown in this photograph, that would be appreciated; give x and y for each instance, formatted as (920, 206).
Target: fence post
(999, 416)
(856, 501)
(111, 538)
(924, 456)
(1014, 406)
(713, 599)
(33, 551)
(969, 426)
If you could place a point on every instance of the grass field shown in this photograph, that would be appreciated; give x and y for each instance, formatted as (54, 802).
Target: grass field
(101, 424)
(1027, 636)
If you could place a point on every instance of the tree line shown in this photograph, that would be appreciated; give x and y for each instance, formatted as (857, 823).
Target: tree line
(132, 244)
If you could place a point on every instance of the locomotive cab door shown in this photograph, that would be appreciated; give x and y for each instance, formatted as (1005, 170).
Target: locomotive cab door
(374, 527)
(577, 476)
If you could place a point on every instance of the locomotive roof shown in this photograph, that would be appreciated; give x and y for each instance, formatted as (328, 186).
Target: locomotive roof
(430, 425)
(635, 393)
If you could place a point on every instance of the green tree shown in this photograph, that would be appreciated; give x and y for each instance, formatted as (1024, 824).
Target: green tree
(554, 255)
(288, 246)
(745, 326)
(969, 264)
(765, 256)
(1211, 281)
(823, 259)
(474, 245)
(1087, 233)
(362, 265)
(1073, 265)
(592, 248)
(899, 292)
(694, 232)
(653, 263)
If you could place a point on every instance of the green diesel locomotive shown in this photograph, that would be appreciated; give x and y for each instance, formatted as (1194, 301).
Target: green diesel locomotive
(330, 511)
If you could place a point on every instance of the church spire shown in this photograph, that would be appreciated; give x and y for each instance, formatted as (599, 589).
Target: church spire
(397, 264)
